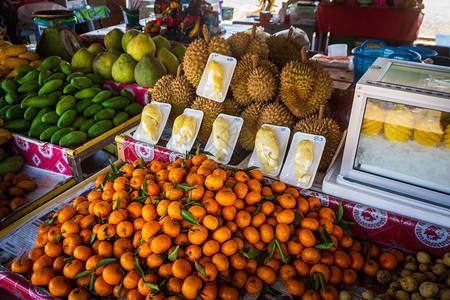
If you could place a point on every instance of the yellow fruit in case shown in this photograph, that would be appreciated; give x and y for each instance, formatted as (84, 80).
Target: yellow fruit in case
(398, 125)
(373, 119)
(429, 131)
(447, 136)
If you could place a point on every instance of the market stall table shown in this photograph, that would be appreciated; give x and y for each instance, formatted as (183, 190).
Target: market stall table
(379, 225)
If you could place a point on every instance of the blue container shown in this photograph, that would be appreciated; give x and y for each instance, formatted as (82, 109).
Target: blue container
(44, 24)
(424, 52)
(366, 55)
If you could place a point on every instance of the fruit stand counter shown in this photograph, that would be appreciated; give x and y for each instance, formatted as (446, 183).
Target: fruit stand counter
(381, 226)
(67, 161)
(48, 185)
(18, 239)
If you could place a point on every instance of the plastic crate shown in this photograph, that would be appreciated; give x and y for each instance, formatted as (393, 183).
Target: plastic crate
(366, 55)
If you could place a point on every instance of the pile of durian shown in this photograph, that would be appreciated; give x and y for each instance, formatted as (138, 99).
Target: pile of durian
(273, 83)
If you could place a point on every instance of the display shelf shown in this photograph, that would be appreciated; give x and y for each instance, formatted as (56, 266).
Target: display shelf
(19, 237)
(67, 161)
(49, 185)
(64, 160)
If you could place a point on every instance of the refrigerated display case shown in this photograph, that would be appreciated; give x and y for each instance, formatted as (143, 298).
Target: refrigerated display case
(398, 141)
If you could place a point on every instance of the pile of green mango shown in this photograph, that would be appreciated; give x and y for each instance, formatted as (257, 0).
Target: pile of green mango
(56, 104)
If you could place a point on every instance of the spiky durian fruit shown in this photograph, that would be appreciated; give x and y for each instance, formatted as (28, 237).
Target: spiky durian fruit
(250, 126)
(177, 91)
(305, 86)
(231, 107)
(447, 136)
(242, 43)
(428, 131)
(276, 114)
(373, 118)
(197, 54)
(326, 127)
(211, 109)
(398, 124)
(284, 49)
(161, 91)
(254, 80)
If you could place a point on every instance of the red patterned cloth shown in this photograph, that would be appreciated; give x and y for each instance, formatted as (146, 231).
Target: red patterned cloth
(387, 229)
(22, 288)
(41, 155)
(135, 150)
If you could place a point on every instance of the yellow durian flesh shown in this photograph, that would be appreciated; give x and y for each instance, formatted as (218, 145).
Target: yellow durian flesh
(220, 137)
(303, 159)
(215, 77)
(267, 149)
(150, 119)
(183, 130)
(398, 124)
(373, 119)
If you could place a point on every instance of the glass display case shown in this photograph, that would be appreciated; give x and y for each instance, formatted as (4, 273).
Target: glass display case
(398, 138)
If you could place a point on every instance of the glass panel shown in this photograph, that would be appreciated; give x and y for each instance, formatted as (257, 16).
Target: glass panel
(405, 143)
(418, 77)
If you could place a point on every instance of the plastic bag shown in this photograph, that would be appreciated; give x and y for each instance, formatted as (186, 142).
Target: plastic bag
(184, 139)
(288, 173)
(234, 128)
(282, 136)
(297, 34)
(139, 135)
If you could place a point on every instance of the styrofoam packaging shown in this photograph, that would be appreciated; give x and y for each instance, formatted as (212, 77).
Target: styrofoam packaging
(288, 172)
(228, 64)
(198, 115)
(164, 109)
(339, 50)
(282, 135)
(234, 128)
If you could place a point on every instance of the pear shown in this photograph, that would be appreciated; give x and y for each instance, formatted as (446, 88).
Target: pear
(96, 49)
(127, 38)
(103, 63)
(115, 51)
(148, 70)
(161, 42)
(113, 39)
(179, 51)
(140, 45)
(169, 60)
(123, 69)
(82, 60)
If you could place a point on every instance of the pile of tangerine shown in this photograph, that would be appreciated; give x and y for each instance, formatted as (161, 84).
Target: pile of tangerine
(191, 230)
